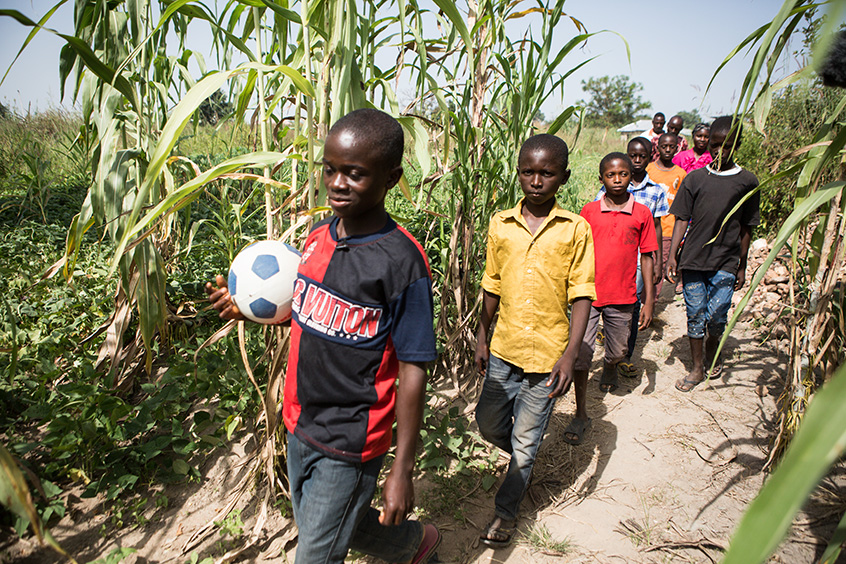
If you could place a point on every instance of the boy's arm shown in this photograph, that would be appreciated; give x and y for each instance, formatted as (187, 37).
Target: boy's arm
(678, 234)
(398, 492)
(648, 290)
(489, 304)
(658, 262)
(562, 373)
(745, 238)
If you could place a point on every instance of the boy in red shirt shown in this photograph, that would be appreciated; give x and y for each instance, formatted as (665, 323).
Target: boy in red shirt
(621, 229)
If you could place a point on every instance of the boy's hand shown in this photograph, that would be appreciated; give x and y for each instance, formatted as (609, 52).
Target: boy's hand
(672, 275)
(561, 377)
(481, 357)
(221, 300)
(397, 498)
(740, 278)
(645, 318)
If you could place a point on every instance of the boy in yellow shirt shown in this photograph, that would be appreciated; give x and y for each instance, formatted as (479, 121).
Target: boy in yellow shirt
(539, 260)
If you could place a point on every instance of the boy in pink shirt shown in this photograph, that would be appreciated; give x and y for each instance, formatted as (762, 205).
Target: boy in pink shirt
(622, 229)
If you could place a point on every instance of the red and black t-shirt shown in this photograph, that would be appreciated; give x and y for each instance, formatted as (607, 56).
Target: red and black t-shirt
(360, 305)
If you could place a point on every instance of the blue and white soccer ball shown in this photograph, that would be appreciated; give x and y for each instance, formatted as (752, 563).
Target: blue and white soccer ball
(261, 281)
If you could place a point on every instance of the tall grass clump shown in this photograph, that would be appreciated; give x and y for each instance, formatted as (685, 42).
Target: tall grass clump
(811, 434)
(158, 202)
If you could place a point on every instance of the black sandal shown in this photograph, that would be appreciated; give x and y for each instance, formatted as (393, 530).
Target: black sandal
(498, 536)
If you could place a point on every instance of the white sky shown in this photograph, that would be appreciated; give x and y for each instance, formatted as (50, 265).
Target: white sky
(676, 45)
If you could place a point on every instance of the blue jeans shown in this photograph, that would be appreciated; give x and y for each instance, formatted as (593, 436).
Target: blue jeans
(331, 500)
(633, 328)
(512, 413)
(707, 296)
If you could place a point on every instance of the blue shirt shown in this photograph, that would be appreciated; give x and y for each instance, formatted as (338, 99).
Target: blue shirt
(650, 194)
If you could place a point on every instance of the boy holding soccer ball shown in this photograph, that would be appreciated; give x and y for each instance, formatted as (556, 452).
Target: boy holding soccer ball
(362, 318)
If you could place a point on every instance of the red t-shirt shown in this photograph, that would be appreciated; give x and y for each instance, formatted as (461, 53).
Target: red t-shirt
(619, 237)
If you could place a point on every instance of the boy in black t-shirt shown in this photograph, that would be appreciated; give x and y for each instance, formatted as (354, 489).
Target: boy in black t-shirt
(362, 319)
(712, 271)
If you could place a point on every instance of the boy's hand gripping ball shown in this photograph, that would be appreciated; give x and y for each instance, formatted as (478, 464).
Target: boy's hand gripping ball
(261, 281)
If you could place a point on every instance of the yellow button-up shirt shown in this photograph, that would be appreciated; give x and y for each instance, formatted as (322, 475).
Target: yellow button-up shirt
(536, 277)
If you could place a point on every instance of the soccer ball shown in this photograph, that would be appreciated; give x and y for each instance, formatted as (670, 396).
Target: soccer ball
(261, 281)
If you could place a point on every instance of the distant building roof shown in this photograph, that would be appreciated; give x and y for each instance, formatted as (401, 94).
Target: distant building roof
(636, 126)
(642, 125)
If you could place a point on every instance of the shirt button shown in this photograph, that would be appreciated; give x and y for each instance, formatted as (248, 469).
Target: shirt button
(528, 270)
(528, 301)
(528, 328)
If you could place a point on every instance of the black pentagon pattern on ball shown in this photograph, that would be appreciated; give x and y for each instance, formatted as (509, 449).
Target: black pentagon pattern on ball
(263, 309)
(265, 266)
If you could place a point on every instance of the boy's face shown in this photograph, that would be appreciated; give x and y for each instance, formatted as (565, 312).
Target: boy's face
(657, 124)
(541, 174)
(640, 157)
(700, 140)
(722, 147)
(667, 149)
(616, 177)
(675, 125)
(354, 174)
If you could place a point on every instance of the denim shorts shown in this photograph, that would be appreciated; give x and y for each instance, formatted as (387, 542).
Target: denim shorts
(707, 296)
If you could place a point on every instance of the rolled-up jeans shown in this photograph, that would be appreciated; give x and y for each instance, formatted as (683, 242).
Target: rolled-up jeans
(331, 500)
(513, 413)
(707, 297)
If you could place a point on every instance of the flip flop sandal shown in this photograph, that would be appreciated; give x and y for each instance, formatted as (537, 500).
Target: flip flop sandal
(577, 428)
(503, 534)
(426, 550)
(608, 381)
(717, 370)
(627, 369)
(686, 385)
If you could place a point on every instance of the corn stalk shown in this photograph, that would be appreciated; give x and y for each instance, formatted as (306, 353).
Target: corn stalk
(814, 235)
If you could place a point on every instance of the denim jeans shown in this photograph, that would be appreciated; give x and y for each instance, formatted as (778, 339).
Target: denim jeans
(707, 296)
(331, 500)
(512, 413)
(633, 328)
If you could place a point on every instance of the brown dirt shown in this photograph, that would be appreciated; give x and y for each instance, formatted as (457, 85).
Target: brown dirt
(661, 476)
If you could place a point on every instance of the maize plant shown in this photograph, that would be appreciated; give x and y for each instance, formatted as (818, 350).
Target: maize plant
(807, 443)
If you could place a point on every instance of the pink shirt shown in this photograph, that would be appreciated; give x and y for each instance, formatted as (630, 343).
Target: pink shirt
(688, 161)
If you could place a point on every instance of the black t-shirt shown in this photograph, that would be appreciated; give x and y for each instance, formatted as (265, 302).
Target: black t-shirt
(704, 198)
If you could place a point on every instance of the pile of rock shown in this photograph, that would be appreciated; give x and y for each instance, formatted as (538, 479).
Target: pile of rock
(767, 305)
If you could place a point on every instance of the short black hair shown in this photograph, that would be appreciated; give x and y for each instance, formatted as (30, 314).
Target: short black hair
(700, 126)
(668, 134)
(658, 114)
(833, 69)
(725, 124)
(613, 157)
(546, 142)
(643, 141)
(380, 131)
